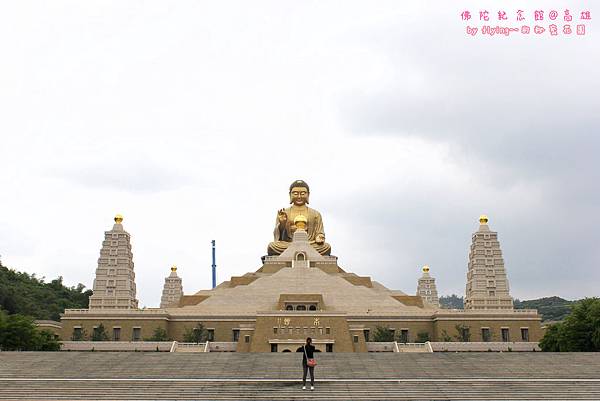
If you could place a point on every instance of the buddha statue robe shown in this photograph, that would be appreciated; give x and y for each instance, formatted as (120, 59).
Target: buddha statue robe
(283, 235)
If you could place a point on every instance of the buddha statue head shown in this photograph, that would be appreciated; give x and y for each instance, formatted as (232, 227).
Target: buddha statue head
(299, 193)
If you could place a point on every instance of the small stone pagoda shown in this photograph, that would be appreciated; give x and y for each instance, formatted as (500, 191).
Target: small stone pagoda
(172, 290)
(427, 289)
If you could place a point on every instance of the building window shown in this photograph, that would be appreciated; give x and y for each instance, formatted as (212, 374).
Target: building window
(404, 335)
(289, 307)
(328, 347)
(524, 334)
(273, 347)
(300, 256)
(210, 335)
(327, 330)
(116, 334)
(246, 339)
(137, 334)
(312, 307)
(274, 330)
(367, 333)
(485, 334)
(300, 307)
(492, 293)
(236, 335)
(355, 338)
(77, 334)
(505, 335)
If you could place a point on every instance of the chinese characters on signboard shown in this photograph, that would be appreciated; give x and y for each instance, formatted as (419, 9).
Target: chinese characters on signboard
(536, 22)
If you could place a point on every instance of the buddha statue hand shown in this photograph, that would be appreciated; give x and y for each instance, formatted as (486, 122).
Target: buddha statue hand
(320, 239)
(282, 216)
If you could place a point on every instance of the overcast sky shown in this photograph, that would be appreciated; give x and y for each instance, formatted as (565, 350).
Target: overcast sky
(192, 118)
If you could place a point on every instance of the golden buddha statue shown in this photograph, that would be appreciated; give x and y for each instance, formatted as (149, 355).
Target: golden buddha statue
(308, 219)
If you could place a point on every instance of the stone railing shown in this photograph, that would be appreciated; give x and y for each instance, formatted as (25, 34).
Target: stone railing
(382, 347)
(414, 347)
(222, 346)
(117, 346)
(151, 311)
(485, 346)
(191, 347)
(48, 323)
(486, 311)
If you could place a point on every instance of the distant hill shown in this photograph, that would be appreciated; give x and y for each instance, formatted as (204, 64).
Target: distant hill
(21, 293)
(551, 308)
(451, 302)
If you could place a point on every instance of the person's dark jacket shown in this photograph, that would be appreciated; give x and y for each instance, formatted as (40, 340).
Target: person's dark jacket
(310, 349)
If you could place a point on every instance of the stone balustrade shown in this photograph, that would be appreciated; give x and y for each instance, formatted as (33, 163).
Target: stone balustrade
(382, 347)
(485, 346)
(222, 346)
(124, 346)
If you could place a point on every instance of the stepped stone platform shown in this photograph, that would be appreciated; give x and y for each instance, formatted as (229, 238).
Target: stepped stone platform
(226, 376)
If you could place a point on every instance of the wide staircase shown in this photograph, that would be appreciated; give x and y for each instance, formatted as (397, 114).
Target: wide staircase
(368, 376)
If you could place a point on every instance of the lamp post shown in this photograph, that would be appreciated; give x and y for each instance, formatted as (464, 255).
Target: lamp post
(214, 266)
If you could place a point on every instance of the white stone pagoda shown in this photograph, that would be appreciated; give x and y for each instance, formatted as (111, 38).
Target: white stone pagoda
(487, 284)
(114, 285)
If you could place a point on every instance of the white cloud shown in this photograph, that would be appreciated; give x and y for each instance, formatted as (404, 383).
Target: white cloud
(192, 118)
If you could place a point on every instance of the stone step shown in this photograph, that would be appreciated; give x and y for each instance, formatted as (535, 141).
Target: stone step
(221, 376)
(392, 390)
(219, 365)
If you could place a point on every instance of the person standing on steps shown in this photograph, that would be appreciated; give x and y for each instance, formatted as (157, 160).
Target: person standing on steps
(308, 363)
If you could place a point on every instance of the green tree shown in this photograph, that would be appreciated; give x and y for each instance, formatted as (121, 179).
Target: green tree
(445, 336)
(551, 308)
(21, 293)
(19, 333)
(463, 332)
(159, 334)
(422, 337)
(580, 331)
(451, 302)
(100, 333)
(383, 334)
(195, 334)
(46, 341)
(551, 340)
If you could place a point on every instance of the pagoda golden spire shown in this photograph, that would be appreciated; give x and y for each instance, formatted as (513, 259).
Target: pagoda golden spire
(483, 219)
(300, 222)
(118, 219)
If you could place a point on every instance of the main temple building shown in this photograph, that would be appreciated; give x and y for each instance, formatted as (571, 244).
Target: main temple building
(300, 291)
